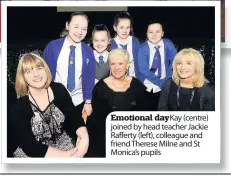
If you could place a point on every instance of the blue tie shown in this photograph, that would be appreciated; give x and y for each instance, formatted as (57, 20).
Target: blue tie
(101, 60)
(124, 46)
(71, 70)
(156, 64)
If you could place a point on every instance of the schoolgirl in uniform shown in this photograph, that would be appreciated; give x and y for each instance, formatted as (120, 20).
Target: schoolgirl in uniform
(101, 45)
(155, 62)
(124, 39)
(72, 62)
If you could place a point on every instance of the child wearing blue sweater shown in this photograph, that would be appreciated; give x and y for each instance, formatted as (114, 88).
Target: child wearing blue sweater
(123, 27)
(72, 62)
(155, 59)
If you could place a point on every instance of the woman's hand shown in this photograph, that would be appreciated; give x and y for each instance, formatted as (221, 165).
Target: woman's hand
(81, 148)
(87, 108)
(82, 143)
(72, 153)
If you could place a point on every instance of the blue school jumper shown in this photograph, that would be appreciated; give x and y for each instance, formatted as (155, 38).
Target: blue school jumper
(143, 62)
(51, 55)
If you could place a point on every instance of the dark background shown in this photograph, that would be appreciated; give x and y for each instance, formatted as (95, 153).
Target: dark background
(31, 28)
(36, 23)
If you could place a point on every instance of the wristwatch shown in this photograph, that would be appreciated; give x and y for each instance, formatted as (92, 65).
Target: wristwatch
(88, 102)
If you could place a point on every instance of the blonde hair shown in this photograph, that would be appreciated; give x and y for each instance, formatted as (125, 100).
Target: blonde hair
(28, 61)
(199, 78)
(121, 53)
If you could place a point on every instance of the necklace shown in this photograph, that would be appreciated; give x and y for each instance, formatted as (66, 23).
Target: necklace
(49, 119)
(178, 98)
(122, 87)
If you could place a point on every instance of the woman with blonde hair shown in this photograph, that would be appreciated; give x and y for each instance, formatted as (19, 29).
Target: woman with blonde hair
(188, 89)
(118, 92)
(44, 119)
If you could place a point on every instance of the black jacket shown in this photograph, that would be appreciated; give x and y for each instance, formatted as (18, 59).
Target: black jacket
(205, 93)
(19, 122)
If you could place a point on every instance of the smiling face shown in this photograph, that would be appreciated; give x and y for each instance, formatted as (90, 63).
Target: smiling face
(118, 66)
(155, 33)
(186, 67)
(35, 76)
(77, 28)
(100, 41)
(123, 28)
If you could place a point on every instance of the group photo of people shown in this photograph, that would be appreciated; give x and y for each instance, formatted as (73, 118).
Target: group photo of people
(67, 71)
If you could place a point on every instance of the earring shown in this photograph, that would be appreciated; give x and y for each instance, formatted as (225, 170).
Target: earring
(127, 72)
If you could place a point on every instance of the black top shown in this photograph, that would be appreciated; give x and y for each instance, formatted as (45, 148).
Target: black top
(189, 99)
(24, 115)
(131, 99)
(105, 101)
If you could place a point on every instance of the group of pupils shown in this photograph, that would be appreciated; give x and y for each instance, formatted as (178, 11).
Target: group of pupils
(141, 63)
(111, 74)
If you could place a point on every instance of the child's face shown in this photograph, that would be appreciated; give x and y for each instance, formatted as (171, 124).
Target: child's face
(100, 41)
(77, 28)
(123, 28)
(155, 33)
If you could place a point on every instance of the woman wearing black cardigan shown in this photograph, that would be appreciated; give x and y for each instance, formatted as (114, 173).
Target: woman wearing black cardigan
(44, 121)
(118, 92)
(188, 89)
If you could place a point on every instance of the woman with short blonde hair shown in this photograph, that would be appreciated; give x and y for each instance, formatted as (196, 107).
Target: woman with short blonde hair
(118, 92)
(44, 120)
(188, 89)
(120, 53)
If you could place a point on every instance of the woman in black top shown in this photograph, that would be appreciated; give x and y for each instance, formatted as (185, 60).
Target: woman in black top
(118, 92)
(188, 89)
(44, 121)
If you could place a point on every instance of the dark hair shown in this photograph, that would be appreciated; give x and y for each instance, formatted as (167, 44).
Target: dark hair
(101, 27)
(155, 22)
(123, 15)
(65, 31)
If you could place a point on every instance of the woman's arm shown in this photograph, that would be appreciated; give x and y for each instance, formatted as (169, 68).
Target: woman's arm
(83, 143)
(20, 123)
(56, 153)
(87, 107)
(73, 115)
